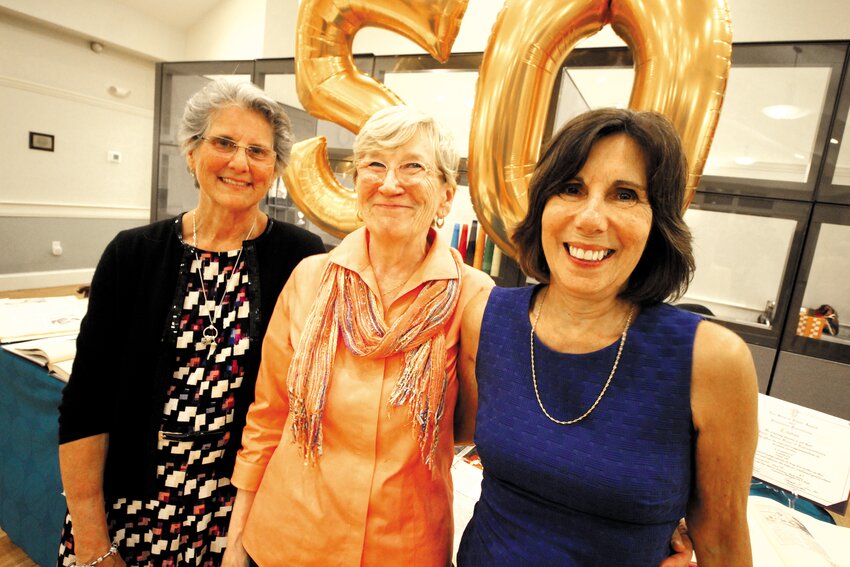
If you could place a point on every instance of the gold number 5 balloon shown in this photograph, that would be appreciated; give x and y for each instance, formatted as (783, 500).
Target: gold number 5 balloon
(681, 50)
(330, 87)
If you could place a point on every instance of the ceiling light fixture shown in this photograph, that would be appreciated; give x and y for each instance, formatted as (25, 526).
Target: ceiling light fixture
(785, 112)
(791, 111)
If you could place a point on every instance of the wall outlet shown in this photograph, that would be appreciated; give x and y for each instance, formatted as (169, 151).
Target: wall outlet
(56, 248)
(113, 156)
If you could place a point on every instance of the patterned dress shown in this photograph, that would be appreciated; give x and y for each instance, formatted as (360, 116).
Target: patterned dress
(186, 524)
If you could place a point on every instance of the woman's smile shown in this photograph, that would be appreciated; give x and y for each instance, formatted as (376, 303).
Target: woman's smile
(587, 255)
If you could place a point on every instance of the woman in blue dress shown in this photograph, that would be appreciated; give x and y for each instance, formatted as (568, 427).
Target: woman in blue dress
(605, 414)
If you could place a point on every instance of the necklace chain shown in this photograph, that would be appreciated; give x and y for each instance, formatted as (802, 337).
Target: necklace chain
(210, 332)
(607, 383)
(389, 291)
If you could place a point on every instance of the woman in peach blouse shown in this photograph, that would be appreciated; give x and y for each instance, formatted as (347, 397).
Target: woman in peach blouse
(348, 446)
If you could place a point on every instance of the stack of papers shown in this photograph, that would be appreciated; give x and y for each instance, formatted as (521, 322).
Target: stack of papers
(39, 317)
(54, 353)
(43, 330)
(781, 536)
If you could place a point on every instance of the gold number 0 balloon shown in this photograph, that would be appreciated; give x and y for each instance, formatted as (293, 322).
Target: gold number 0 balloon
(681, 51)
(330, 87)
(682, 55)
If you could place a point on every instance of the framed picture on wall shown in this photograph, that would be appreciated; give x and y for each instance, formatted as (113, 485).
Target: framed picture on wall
(39, 141)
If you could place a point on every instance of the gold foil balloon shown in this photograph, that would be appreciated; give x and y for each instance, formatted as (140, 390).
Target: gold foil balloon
(331, 87)
(682, 53)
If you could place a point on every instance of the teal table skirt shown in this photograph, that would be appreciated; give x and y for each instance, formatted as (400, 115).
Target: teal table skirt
(32, 508)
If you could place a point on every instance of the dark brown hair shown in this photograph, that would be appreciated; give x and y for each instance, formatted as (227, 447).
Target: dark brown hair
(667, 264)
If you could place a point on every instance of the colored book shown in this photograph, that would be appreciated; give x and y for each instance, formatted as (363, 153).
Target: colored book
(487, 262)
(478, 258)
(496, 265)
(461, 243)
(471, 243)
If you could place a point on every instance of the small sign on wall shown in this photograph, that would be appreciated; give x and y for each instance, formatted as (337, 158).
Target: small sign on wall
(39, 141)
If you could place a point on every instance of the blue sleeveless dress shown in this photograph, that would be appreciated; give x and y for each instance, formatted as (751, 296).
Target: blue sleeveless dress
(608, 490)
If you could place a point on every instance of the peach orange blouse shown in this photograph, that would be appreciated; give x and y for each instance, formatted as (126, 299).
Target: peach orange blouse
(369, 500)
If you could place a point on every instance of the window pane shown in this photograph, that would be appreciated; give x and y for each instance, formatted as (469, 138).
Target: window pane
(740, 263)
(827, 283)
(448, 95)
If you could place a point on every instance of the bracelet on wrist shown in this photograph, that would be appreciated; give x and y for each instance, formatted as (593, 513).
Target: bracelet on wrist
(113, 549)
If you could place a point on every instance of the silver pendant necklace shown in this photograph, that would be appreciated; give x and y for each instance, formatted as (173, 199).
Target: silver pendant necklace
(607, 383)
(210, 332)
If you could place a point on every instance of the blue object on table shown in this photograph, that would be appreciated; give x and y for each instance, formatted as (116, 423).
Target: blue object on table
(788, 498)
(32, 508)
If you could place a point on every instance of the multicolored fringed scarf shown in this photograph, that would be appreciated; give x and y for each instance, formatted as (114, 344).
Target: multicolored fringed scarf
(346, 305)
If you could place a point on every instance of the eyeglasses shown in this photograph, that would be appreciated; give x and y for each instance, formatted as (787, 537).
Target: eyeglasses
(227, 147)
(371, 171)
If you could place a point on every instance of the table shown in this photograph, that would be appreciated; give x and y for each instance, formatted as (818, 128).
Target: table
(32, 507)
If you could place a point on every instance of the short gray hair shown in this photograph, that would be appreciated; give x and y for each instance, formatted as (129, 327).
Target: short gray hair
(220, 93)
(392, 127)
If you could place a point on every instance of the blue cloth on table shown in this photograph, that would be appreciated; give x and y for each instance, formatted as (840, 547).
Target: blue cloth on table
(32, 507)
(788, 498)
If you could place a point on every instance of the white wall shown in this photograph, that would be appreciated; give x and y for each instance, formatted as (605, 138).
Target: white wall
(107, 21)
(234, 30)
(53, 83)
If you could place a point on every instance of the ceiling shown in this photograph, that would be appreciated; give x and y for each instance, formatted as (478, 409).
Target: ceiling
(178, 14)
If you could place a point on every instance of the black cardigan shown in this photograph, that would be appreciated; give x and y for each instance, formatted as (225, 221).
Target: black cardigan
(125, 349)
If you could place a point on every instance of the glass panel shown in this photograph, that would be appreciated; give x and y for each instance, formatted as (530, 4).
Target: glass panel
(737, 282)
(827, 282)
(767, 128)
(448, 95)
(281, 86)
(769, 122)
(842, 165)
(176, 190)
(592, 87)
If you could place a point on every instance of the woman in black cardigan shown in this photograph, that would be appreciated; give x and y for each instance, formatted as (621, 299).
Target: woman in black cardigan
(168, 352)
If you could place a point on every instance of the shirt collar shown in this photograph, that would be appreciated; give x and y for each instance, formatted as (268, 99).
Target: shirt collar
(353, 253)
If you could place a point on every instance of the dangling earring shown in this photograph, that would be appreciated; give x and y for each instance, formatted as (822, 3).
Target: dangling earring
(359, 216)
(439, 222)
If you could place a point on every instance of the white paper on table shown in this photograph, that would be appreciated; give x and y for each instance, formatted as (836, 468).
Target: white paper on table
(38, 317)
(803, 450)
(781, 537)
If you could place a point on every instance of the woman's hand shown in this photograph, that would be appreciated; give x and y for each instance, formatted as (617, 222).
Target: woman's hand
(682, 546)
(234, 556)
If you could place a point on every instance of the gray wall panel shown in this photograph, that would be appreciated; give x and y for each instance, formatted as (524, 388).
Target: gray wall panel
(763, 358)
(815, 383)
(27, 242)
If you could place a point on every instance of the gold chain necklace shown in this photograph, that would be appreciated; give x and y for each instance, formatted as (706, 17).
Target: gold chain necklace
(607, 383)
(210, 333)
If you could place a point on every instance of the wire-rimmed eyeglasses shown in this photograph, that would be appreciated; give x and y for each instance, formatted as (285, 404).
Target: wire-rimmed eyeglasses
(373, 171)
(227, 147)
